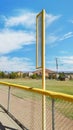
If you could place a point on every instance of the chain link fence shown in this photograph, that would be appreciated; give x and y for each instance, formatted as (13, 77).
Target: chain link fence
(59, 114)
(26, 106)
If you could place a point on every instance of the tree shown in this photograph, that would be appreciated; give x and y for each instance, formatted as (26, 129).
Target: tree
(12, 75)
(2, 74)
(62, 76)
(50, 76)
(34, 76)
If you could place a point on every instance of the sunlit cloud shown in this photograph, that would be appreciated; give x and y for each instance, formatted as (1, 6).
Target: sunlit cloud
(16, 64)
(27, 19)
(11, 40)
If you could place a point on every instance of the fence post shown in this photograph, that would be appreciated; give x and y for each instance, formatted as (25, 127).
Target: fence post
(53, 123)
(8, 106)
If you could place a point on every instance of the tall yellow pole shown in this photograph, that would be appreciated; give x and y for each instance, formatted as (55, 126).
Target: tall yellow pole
(43, 73)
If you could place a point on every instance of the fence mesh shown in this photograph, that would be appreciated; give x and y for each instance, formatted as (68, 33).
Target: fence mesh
(27, 108)
(62, 113)
(48, 113)
(3, 95)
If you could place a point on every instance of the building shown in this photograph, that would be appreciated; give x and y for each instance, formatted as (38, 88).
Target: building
(47, 72)
(20, 74)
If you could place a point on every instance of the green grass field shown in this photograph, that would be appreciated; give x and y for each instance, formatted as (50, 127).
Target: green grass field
(52, 85)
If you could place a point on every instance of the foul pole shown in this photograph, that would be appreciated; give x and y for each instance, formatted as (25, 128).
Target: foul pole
(43, 75)
(40, 59)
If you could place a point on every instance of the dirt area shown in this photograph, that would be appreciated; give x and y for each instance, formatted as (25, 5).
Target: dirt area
(29, 112)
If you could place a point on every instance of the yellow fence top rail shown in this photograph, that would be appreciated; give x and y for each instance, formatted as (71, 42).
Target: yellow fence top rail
(41, 91)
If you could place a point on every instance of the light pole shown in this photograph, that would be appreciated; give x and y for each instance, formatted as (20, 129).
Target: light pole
(57, 68)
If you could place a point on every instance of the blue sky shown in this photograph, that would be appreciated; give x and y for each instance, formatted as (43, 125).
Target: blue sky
(18, 34)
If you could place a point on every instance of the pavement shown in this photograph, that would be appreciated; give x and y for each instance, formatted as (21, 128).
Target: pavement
(6, 123)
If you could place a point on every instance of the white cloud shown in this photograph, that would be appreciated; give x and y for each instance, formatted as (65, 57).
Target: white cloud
(65, 63)
(12, 40)
(52, 39)
(51, 18)
(26, 19)
(66, 36)
(63, 52)
(66, 59)
(16, 64)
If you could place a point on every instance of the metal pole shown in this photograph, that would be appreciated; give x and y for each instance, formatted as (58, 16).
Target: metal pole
(43, 74)
(57, 67)
(8, 106)
(53, 125)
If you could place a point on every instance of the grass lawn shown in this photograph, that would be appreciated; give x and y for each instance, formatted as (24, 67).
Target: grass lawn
(52, 85)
